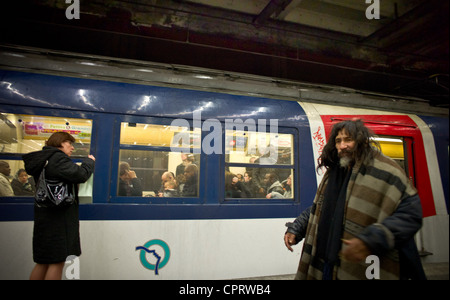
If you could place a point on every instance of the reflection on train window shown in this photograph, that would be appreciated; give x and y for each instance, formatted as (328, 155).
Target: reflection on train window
(258, 148)
(158, 135)
(27, 133)
(259, 165)
(161, 169)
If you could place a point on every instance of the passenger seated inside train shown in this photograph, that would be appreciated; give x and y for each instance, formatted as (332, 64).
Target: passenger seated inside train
(5, 184)
(287, 187)
(186, 159)
(234, 188)
(153, 169)
(190, 186)
(129, 184)
(166, 177)
(251, 186)
(273, 185)
(22, 184)
(170, 189)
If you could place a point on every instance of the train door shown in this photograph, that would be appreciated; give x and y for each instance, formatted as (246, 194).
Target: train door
(401, 150)
(409, 155)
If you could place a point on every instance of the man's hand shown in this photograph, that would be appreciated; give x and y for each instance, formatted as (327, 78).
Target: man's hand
(289, 240)
(131, 174)
(354, 250)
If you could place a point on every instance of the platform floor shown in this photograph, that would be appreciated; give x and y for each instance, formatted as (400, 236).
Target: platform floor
(434, 271)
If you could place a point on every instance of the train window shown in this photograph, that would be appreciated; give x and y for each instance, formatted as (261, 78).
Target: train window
(259, 165)
(27, 133)
(21, 134)
(157, 135)
(394, 148)
(153, 162)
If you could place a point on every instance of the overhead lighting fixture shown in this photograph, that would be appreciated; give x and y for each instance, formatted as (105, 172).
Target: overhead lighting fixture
(390, 140)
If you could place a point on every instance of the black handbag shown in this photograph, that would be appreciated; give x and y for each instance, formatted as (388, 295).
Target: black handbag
(52, 193)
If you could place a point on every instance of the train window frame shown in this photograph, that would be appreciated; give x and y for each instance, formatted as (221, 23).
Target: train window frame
(407, 164)
(87, 189)
(293, 166)
(118, 147)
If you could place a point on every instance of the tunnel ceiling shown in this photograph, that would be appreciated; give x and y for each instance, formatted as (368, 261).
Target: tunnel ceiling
(398, 47)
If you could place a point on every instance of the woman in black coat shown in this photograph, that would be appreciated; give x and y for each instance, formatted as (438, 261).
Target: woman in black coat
(56, 233)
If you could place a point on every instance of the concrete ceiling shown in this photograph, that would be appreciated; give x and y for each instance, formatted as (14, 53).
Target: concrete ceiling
(404, 50)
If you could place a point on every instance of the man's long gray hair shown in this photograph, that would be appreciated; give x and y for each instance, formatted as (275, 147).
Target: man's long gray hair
(365, 145)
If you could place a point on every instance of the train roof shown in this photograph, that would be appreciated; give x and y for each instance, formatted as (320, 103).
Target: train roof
(32, 60)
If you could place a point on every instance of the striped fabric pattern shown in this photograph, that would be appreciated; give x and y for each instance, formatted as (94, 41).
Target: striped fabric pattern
(376, 188)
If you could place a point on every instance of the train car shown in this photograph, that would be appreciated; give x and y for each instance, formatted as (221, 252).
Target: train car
(163, 118)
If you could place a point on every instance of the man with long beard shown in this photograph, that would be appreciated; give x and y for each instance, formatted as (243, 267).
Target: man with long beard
(365, 205)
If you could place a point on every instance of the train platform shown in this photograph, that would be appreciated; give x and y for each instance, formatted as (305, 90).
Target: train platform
(434, 271)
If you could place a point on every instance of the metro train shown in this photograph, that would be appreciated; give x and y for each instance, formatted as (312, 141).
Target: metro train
(160, 118)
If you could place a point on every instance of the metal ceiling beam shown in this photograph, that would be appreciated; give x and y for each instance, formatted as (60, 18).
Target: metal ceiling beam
(228, 40)
(140, 72)
(288, 9)
(273, 7)
(407, 20)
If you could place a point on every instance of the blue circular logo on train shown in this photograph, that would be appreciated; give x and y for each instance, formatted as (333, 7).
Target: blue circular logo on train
(161, 254)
